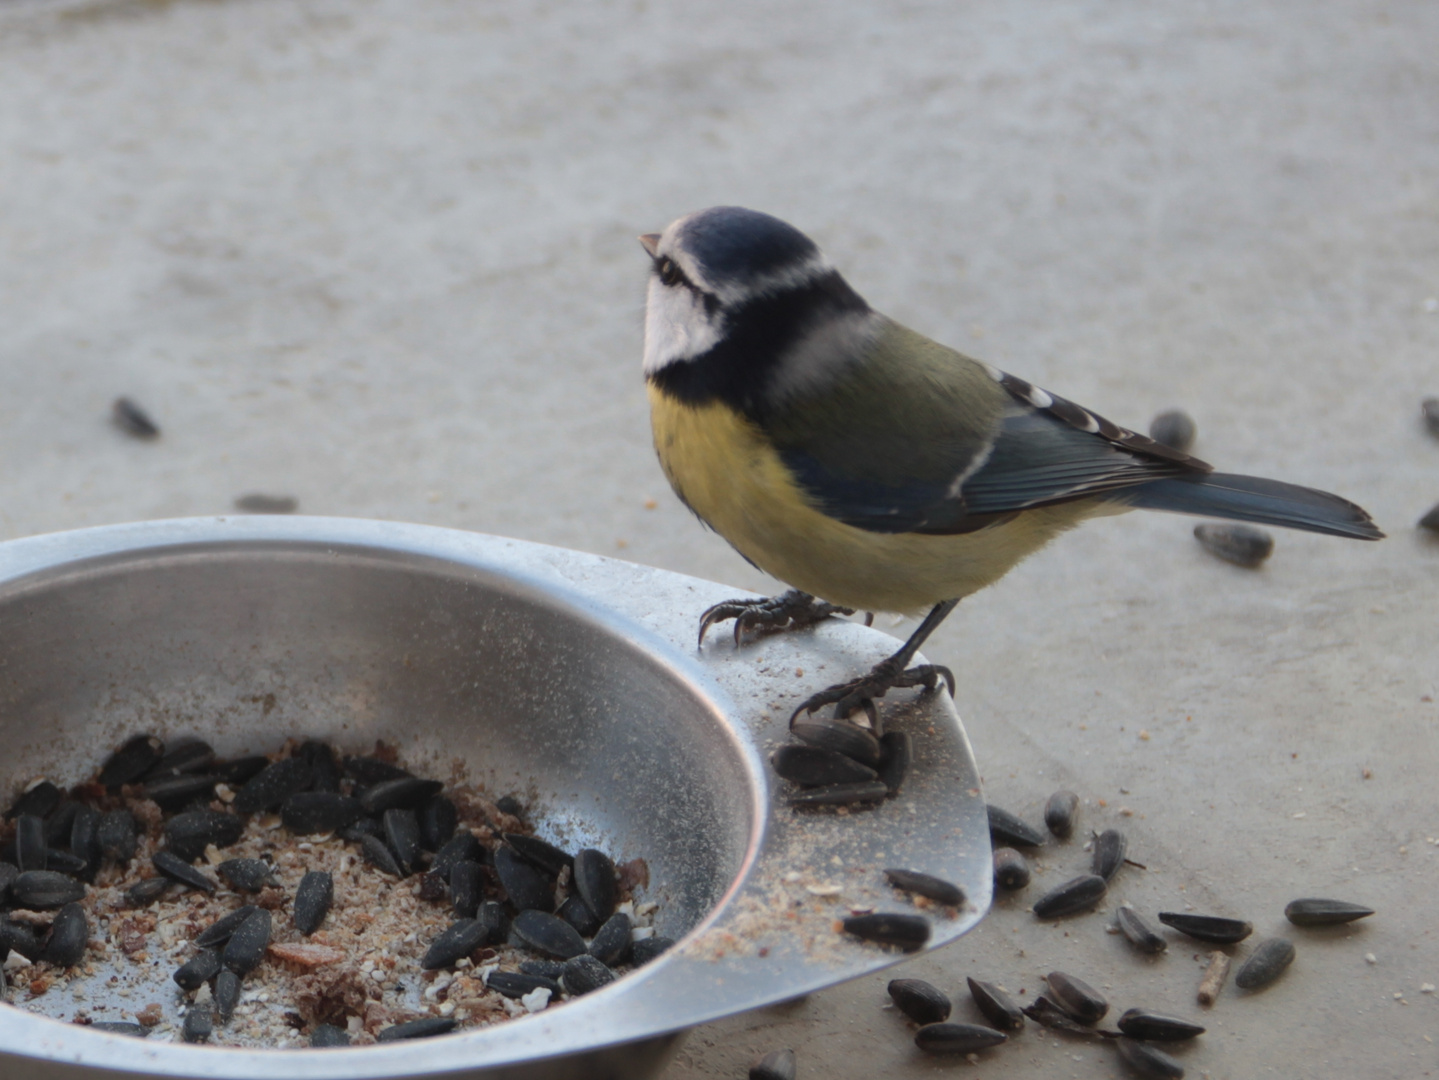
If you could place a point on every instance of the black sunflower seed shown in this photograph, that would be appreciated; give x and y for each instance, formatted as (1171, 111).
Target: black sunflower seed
(177, 869)
(402, 833)
(1060, 813)
(246, 947)
(31, 851)
(957, 1038)
(578, 914)
(1139, 1024)
(328, 1035)
(467, 888)
(841, 794)
(546, 969)
(60, 822)
(920, 1001)
(1011, 831)
(1213, 928)
(646, 949)
(120, 1027)
(1242, 545)
(594, 880)
(1077, 997)
(307, 813)
(199, 1024)
(896, 752)
(508, 804)
(40, 798)
(1045, 1012)
(926, 885)
(65, 863)
(1268, 961)
(187, 757)
(131, 761)
(273, 784)
(418, 1029)
(1313, 911)
(1075, 895)
(69, 934)
(1138, 931)
(226, 992)
(583, 974)
(1011, 869)
(133, 420)
(1174, 428)
(454, 943)
(241, 770)
(908, 932)
(247, 875)
(366, 826)
(611, 942)
(538, 853)
(514, 984)
(462, 847)
(1148, 1061)
(45, 889)
(406, 793)
(324, 772)
(8, 873)
(18, 937)
(173, 792)
(371, 770)
(776, 1065)
(313, 897)
(117, 835)
(491, 915)
(1109, 849)
(438, 821)
(378, 854)
(999, 1008)
(198, 970)
(814, 766)
(548, 934)
(840, 736)
(219, 931)
(524, 885)
(146, 892)
(83, 839)
(188, 834)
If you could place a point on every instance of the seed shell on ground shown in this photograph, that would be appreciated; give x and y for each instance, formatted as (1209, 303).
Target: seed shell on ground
(177, 869)
(219, 931)
(526, 888)
(8, 873)
(999, 1008)
(1174, 428)
(69, 935)
(814, 766)
(198, 970)
(1213, 928)
(1148, 1061)
(173, 792)
(1077, 997)
(1156, 1027)
(246, 947)
(328, 1035)
(840, 736)
(1109, 849)
(45, 889)
(1011, 869)
(776, 1065)
(1268, 961)
(546, 969)
(378, 854)
(417, 1029)
(454, 943)
(1044, 1011)
(1074, 896)
(926, 885)
(324, 772)
(132, 761)
(841, 794)
(548, 934)
(59, 822)
(1011, 830)
(241, 770)
(20, 938)
(896, 750)
(313, 898)
(133, 420)
(584, 974)
(1138, 931)
(1060, 813)
(371, 770)
(594, 880)
(957, 1038)
(1314, 911)
(920, 1001)
(1242, 545)
(908, 932)
(611, 943)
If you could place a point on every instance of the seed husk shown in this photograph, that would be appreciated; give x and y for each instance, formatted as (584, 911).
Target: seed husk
(926, 885)
(514, 984)
(120, 1027)
(1044, 1011)
(594, 879)
(526, 888)
(776, 1065)
(1174, 428)
(1060, 813)
(1077, 997)
(548, 934)
(378, 854)
(133, 420)
(920, 1001)
(307, 813)
(241, 770)
(1242, 545)
(467, 888)
(198, 970)
(1156, 1027)
(999, 1008)
(1138, 931)
(405, 793)
(273, 784)
(1215, 928)
(219, 931)
(1314, 911)
(1214, 976)
(145, 892)
(226, 993)
(59, 822)
(578, 914)
(840, 736)
(1011, 869)
(646, 949)
(69, 934)
(462, 847)
(491, 915)
(418, 1029)
(1109, 849)
(611, 942)
(841, 794)
(814, 766)
(454, 943)
(438, 821)
(132, 761)
(402, 833)
(313, 897)
(1075, 895)
(65, 863)
(173, 792)
(908, 932)
(83, 839)
(896, 753)
(1148, 1061)
(540, 853)
(1268, 961)
(43, 890)
(20, 938)
(199, 1024)
(192, 756)
(366, 826)
(584, 973)
(327, 1036)
(247, 875)
(957, 1038)
(324, 772)
(31, 851)
(1012, 831)
(40, 798)
(188, 834)
(177, 869)
(371, 770)
(246, 947)
(118, 835)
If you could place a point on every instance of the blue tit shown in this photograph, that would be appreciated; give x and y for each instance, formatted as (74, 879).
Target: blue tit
(872, 468)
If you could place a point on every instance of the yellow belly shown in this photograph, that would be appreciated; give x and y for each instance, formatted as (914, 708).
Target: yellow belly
(721, 467)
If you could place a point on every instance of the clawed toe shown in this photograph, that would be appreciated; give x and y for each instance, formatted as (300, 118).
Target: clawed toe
(861, 693)
(793, 610)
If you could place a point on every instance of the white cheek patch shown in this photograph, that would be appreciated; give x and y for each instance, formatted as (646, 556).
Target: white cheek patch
(677, 327)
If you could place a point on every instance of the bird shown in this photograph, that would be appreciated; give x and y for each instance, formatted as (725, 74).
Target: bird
(871, 468)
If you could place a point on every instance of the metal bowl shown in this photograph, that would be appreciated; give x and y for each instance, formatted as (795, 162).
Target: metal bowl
(571, 678)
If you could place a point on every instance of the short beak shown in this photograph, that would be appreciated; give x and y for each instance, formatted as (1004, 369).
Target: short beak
(651, 242)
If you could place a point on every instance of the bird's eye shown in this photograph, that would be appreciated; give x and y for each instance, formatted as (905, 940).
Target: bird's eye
(669, 272)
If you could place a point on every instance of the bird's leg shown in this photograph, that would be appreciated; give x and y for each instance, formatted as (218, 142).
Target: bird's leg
(889, 674)
(793, 610)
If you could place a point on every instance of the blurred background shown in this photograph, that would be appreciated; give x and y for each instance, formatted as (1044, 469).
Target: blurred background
(379, 256)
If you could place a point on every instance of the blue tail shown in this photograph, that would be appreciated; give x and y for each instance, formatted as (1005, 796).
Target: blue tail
(1252, 498)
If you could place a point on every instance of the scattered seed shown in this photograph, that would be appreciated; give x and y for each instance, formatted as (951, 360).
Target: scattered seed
(438, 821)
(920, 1001)
(462, 847)
(273, 784)
(548, 934)
(40, 798)
(1214, 976)
(17, 937)
(199, 1024)
(69, 935)
(1045, 1012)
(999, 1008)
(146, 892)
(60, 821)
(547, 969)
(896, 750)
(313, 897)
(514, 984)
(1060, 813)
(132, 761)
(402, 833)
(118, 835)
(776, 1065)
(370, 770)
(594, 879)
(247, 875)
(611, 943)
(30, 847)
(540, 853)
(453, 943)
(45, 889)
(417, 1029)
(1148, 1061)
(219, 932)
(405, 793)
(908, 932)
(1075, 895)
(173, 792)
(841, 794)
(133, 420)
(1139, 1024)
(1077, 997)
(1313, 911)
(1219, 930)
(246, 947)
(1174, 428)
(1011, 869)
(241, 770)
(188, 834)
(198, 970)
(84, 839)
(177, 869)
(1243, 545)
(467, 887)
(327, 1035)
(378, 854)
(1012, 831)
(578, 914)
(583, 974)
(256, 503)
(1268, 961)
(1109, 849)
(646, 949)
(957, 1038)
(1140, 934)
(192, 756)
(927, 885)
(814, 766)
(839, 736)
(527, 890)
(226, 993)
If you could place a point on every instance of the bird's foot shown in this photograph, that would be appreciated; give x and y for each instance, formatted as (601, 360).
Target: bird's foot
(890, 674)
(793, 610)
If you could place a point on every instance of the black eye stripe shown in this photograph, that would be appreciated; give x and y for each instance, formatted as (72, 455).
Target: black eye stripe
(671, 275)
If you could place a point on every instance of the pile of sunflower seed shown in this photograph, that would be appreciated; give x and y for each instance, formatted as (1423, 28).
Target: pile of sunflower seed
(838, 763)
(530, 923)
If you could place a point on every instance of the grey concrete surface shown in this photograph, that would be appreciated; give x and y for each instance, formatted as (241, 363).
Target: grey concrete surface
(379, 255)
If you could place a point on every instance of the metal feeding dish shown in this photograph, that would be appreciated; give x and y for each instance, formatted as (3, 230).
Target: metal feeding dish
(570, 679)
